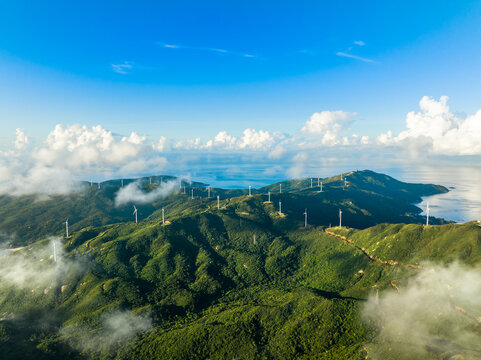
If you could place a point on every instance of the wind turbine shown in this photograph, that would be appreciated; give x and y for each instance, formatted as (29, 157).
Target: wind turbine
(122, 182)
(91, 183)
(192, 194)
(318, 180)
(150, 180)
(208, 192)
(184, 189)
(280, 208)
(66, 227)
(249, 190)
(340, 218)
(135, 213)
(305, 218)
(163, 216)
(54, 252)
(269, 196)
(321, 186)
(341, 177)
(218, 202)
(427, 214)
(280, 188)
(311, 183)
(99, 185)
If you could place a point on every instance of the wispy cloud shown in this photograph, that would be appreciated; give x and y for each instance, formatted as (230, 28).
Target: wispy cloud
(121, 68)
(359, 43)
(343, 54)
(204, 48)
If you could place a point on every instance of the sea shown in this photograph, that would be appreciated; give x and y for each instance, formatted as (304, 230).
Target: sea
(461, 204)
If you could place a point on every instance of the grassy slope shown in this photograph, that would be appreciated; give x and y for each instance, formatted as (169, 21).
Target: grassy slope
(214, 291)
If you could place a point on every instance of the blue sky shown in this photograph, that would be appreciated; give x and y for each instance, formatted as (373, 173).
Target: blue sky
(184, 69)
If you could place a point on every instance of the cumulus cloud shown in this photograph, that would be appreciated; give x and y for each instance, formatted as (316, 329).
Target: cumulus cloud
(328, 125)
(21, 140)
(251, 139)
(437, 130)
(437, 311)
(133, 193)
(68, 154)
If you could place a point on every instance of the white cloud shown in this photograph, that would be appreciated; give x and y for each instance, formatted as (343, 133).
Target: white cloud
(437, 130)
(253, 139)
(343, 54)
(133, 193)
(359, 43)
(161, 145)
(329, 125)
(121, 68)
(70, 153)
(21, 140)
(204, 48)
(437, 311)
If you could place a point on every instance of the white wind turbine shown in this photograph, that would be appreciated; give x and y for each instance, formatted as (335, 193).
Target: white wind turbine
(340, 218)
(305, 218)
(249, 190)
(135, 213)
(54, 252)
(311, 183)
(218, 202)
(163, 216)
(269, 197)
(321, 186)
(66, 227)
(280, 208)
(208, 192)
(280, 188)
(122, 182)
(427, 214)
(192, 194)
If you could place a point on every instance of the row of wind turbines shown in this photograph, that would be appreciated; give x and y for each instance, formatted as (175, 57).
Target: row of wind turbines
(319, 184)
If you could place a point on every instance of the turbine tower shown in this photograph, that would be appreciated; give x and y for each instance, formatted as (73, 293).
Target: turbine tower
(427, 214)
(163, 216)
(305, 218)
(321, 186)
(66, 227)
(280, 208)
(280, 188)
(311, 183)
(208, 192)
(269, 196)
(218, 202)
(135, 213)
(318, 180)
(340, 218)
(184, 189)
(54, 252)
(249, 190)
(192, 194)
(99, 185)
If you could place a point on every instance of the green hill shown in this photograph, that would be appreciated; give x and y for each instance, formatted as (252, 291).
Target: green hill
(236, 282)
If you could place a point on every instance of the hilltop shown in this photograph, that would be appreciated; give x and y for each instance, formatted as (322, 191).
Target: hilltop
(365, 197)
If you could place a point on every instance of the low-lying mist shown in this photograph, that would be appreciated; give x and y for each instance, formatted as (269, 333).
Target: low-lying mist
(133, 193)
(437, 311)
(37, 266)
(114, 328)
